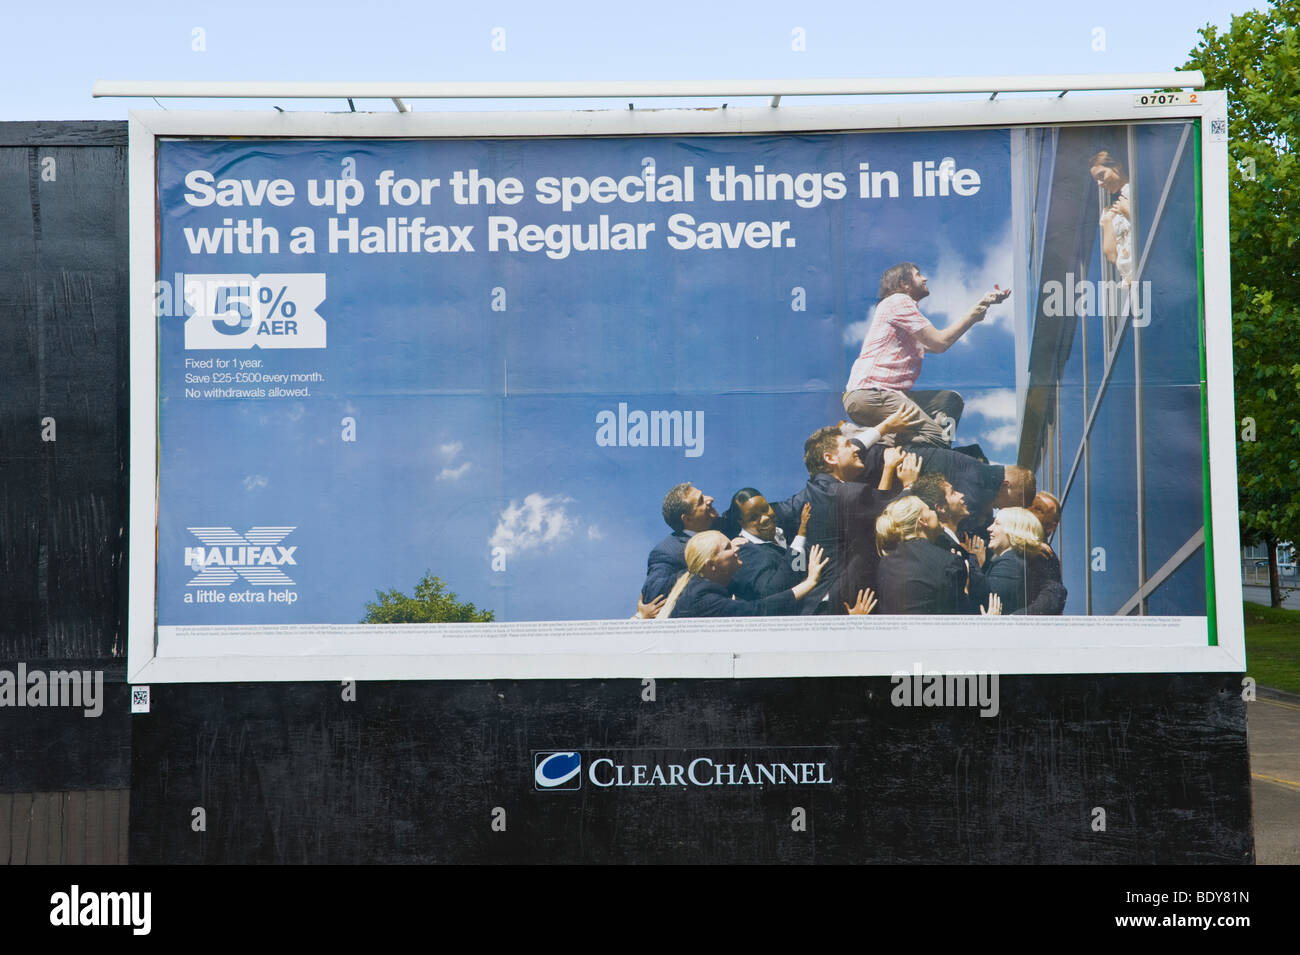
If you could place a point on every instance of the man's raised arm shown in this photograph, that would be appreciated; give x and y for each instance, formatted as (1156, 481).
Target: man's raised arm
(940, 340)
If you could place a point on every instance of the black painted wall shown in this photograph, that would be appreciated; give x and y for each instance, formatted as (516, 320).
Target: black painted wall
(412, 772)
(63, 363)
(443, 772)
(63, 355)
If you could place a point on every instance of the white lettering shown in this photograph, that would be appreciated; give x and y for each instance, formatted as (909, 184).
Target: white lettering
(591, 772)
(690, 770)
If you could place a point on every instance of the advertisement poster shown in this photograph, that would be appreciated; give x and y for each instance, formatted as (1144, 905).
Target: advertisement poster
(446, 384)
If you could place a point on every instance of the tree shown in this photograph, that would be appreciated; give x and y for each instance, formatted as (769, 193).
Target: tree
(432, 603)
(1267, 370)
(1257, 62)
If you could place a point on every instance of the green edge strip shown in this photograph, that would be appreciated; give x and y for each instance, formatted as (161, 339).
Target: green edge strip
(1211, 612)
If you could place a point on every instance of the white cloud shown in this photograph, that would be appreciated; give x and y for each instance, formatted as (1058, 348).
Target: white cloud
(1003, 438)
(997, 408)
(454, 474)
(594, 533)
(856, 332)
(996, 405)
(449, 452)
(538, 523)
(956, 284)
(254, 481)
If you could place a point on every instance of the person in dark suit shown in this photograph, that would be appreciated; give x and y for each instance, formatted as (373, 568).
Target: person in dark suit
(1015, 543)
(917, 577)
(687, 510)
(1046, 591)
(949, 504)
(858, 522)
(844, 508)
(768, 564)
(712, 559)
(984, 486)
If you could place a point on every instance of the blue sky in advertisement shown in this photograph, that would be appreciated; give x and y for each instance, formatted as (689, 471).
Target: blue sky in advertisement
(51, 54)
(479, 428)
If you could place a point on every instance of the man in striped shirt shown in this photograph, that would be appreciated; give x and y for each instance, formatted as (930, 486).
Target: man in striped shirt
(880, 382)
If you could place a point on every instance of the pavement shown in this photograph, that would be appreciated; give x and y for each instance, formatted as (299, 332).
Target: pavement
(1273, 734)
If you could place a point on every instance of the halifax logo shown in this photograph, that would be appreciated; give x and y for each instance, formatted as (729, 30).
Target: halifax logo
(255, 556)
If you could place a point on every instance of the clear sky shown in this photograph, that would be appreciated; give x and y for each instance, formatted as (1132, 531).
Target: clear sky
(51, 54)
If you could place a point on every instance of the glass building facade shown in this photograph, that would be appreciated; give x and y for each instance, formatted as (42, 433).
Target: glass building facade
(1110, 381)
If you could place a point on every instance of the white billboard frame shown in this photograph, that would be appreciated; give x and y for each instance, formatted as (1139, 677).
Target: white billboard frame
(687, 648)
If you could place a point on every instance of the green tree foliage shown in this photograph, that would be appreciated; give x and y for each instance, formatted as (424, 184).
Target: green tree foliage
(432, 603)
(1257, 61)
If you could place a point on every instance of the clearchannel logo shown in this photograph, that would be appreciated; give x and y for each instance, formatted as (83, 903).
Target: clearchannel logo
(557, 770)
(783, 766)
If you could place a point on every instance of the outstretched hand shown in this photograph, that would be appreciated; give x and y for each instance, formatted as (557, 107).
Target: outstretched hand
(816, 563)
(865, 603)
(995, 297)
(651, 610)
(994, 608)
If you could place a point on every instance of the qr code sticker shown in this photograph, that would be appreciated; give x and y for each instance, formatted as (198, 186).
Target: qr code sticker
(139, 699)
(1218, 127)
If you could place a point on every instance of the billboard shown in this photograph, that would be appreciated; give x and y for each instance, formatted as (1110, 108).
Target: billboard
(449, 396)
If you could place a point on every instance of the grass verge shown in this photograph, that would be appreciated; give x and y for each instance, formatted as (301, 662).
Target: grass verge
(1273, 646)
